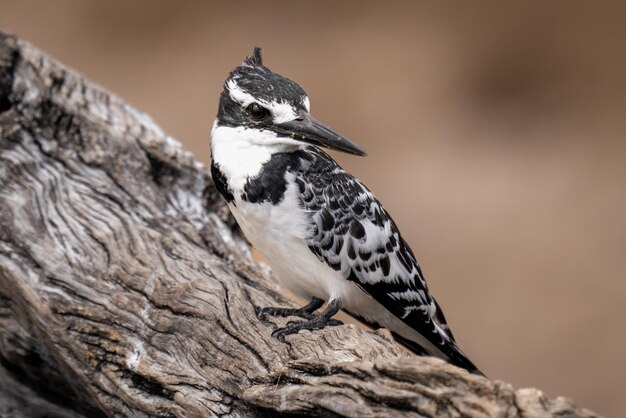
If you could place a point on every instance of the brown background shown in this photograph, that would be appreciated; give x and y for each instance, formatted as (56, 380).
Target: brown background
(496, 138)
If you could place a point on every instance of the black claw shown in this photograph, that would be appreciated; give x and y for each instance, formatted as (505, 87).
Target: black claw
(329, 323)
(293, 327)
(305, 312)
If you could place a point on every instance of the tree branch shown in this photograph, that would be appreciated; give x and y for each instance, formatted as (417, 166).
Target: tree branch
(125, 289)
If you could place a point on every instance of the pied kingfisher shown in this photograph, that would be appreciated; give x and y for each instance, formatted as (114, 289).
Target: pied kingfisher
(324, 234)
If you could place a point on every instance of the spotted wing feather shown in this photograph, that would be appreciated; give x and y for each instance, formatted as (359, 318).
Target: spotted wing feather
(352, 233)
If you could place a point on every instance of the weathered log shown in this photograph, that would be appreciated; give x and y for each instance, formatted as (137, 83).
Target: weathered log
(125, 289)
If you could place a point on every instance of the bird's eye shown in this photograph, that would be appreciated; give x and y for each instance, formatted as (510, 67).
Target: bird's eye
(257, 112)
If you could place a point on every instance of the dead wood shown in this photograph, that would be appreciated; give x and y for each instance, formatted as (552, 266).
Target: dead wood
(125, 290)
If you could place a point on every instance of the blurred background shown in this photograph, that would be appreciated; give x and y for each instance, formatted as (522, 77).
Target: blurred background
(495, 132)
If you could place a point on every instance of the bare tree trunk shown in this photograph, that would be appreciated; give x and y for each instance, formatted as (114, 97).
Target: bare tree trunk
(125, 292)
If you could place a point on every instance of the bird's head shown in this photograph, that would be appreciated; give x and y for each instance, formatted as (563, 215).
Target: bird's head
(265, 108)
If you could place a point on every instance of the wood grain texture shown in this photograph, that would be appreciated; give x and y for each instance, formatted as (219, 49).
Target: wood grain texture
(125, 289)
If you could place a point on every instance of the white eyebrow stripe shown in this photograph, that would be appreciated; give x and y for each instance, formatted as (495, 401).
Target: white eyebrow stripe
(307, 103)
(238, 94)
(281, 111)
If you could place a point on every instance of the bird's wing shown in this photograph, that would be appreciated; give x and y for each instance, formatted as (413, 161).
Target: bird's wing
(352, 233)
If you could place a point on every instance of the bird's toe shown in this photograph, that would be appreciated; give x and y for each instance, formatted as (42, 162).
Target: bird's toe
(291, 328)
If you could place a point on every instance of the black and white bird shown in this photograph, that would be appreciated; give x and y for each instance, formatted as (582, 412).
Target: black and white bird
(324, 234)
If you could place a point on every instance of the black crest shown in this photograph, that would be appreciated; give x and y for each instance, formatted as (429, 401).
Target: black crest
(256, 60)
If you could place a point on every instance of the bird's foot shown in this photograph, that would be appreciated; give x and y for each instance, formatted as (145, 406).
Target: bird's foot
(305, 312)
(316, 322)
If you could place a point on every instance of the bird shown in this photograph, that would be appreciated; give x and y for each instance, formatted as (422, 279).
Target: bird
(324, 234)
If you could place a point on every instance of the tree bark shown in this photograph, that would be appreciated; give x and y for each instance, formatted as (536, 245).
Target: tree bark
(125, 289)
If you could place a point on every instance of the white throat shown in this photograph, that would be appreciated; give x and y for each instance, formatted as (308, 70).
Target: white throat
(241, 152)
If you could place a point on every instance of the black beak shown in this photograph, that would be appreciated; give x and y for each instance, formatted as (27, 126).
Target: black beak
(307, 129)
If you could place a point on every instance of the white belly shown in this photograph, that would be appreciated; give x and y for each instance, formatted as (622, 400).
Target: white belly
(278, 232)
